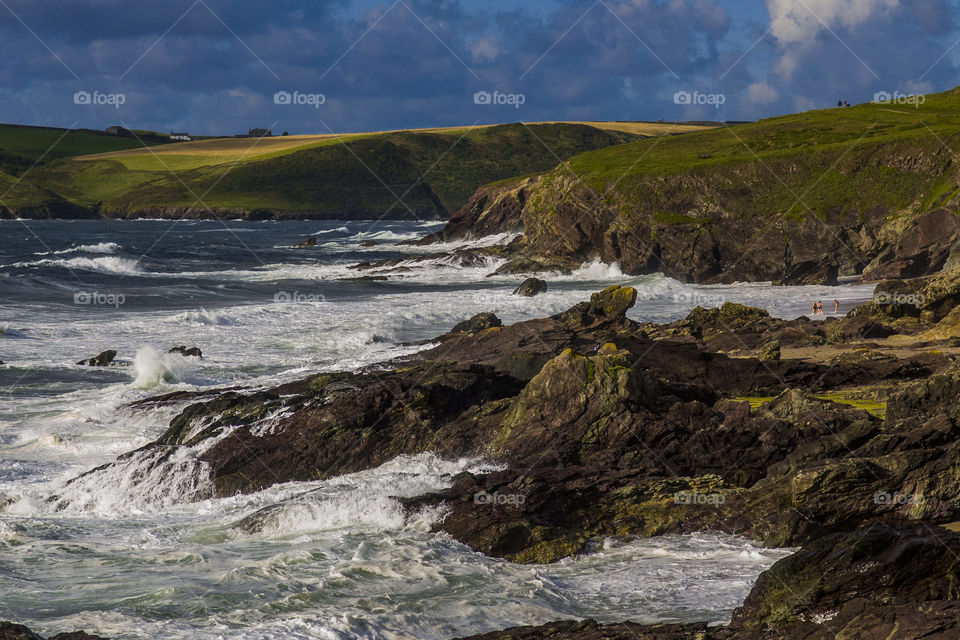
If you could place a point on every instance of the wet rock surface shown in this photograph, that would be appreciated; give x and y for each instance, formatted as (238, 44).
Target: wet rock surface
(531, 287)
(103, 359)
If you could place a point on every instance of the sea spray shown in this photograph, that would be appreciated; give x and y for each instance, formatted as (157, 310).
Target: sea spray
(153, 368)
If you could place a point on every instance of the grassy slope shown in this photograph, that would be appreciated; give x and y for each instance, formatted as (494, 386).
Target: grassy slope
(24, 149)
(833, 158)
(352, 175)
(22, 146)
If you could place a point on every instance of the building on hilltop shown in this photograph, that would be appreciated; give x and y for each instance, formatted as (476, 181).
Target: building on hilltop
(118, 131)
(183, 137)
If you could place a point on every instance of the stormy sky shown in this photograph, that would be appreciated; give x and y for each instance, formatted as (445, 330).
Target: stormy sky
(222, 66)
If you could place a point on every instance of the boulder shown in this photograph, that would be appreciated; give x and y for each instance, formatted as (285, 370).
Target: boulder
(184, 351)
(101, 360)
(531, 287)
(309, 242)
(479, 322)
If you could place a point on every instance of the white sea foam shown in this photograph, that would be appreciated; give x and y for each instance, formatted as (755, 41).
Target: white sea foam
(203, 316)
(107, 264)
(145, 481)
(99, 247)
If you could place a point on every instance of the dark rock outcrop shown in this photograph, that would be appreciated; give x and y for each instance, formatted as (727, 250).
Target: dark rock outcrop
(492, 209)
(480, 322)
(187, 352)
(531, 287)
(101, 360)
(309, 242)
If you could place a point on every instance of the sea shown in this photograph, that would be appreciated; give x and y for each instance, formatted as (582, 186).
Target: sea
(131, 551)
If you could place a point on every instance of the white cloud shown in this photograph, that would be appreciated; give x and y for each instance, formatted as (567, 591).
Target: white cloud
(762, 93)
(798, 21)
(485, 49)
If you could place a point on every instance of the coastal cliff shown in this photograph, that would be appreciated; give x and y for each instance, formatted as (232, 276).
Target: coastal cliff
(798, 199)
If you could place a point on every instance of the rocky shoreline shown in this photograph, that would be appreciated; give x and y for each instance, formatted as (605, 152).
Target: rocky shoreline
(838, 436)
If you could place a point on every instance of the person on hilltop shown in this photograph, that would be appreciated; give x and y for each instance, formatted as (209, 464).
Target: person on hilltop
(839, 103)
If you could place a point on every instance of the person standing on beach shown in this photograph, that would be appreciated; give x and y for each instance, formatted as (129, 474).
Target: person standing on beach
(813, 308)
(836, 305)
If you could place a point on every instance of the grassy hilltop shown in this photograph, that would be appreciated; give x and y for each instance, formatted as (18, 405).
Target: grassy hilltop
(348, 175)
(801, 197)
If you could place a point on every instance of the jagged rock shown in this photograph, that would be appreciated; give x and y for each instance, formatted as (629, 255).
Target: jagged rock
(531, 287)
(586, 408)
(857, 328)
(11, 631)
(610, 304)
(492, 209)
(923, 247)
(769, 351)
(535, 264)
(101, 360)
(479, 322)
(184, 351)
(309, 242)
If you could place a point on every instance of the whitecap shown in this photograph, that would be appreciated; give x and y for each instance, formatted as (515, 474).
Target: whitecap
(106, 264)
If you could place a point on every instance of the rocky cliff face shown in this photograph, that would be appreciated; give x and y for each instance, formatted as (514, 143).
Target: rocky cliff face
(754, 220)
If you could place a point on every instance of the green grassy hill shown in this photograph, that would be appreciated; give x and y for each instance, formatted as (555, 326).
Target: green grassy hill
(798, 198)
(433, 171)
(360, 175)
(22, 146)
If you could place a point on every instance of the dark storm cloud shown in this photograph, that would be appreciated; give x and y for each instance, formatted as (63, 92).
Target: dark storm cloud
(419, 63)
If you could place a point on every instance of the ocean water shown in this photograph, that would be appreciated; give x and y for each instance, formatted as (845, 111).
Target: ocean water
(134, 551)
